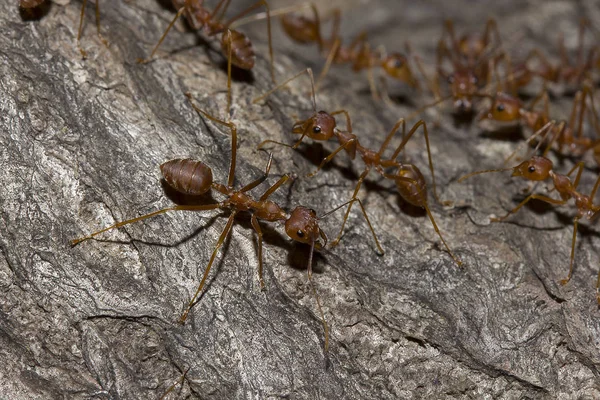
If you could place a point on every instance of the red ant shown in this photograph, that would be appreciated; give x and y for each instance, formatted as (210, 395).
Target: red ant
(235, 45)
(195, 178)
(539, 168)
(508, 110)
(472, 58)
(408, 178)
(566, 74)
(358, 54)
(31, 4)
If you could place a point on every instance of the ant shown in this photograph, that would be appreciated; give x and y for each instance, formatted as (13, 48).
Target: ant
(565, 74)
(195, 178)
(473, 59)
(235, 45)
(32, 4)
(358, 54)
(409, 180)
(540, 168)
(508, 110)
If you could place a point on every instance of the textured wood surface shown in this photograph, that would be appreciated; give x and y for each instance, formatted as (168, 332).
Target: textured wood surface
(80, 146)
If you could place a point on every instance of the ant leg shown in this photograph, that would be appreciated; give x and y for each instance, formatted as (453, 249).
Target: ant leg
(594, 190)
(579, 167)
(437, 230)
(229, 54)
(164, 35)
(449, 31)
(527, 199)
(294, 146)
(362, 207)
(104, 41)
(284, 83)
(180, 380)
(260, 180)
(81, 50)
(224, 235)
(274, 188)
(348, 121)
(568, 278)
(361, 178)
(373, 85)
(206, 207)
(214, 16)
(314, 290)
(256, 227)
(491, 28)
(435, 89)
(233, 130)
(245, 12)
(346, 146)
(328, 61)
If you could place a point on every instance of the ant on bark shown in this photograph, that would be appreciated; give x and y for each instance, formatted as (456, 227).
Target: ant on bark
(540, 168)
(564, 75)
(32, 4)
(195, 178)
(472, 58)
(359, 55)
(235, 45)
(508, 110)
(409, 180)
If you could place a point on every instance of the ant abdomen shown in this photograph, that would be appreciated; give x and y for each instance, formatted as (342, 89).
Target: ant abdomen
(187, 176)
(30, 3)
(242, 52)
(411, 185)
(300, 29)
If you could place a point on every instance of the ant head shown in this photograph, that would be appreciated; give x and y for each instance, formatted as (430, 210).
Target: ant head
(396, 66)
(504, 108)
(535, 169)
(318, 127)
(303, 225)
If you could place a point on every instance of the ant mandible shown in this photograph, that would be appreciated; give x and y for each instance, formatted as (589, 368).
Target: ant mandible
(409, 180)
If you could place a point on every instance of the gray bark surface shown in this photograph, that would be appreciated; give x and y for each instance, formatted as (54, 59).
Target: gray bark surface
(80, 146)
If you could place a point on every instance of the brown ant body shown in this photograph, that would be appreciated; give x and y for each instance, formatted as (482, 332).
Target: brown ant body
(539, 168)
(235, 45)
(359, 55)
(564, 75)
(472, 58)
(409, 180)
(508, 110)
(195, 178)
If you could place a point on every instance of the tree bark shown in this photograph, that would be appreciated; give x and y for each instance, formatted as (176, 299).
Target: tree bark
(81, 142)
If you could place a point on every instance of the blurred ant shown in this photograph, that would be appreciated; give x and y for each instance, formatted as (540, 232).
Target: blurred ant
(359, 55)
(195, 178)
(235, 45)
(539, 168)
(507, 110)
(562, 76)
(409, 180)
(472, 59)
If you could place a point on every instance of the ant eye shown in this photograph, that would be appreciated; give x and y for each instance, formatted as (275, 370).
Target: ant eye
(474, 79)
(317, 129)
(500, 107)
(398, 63)
(300, 234)
(451, 79)
(532, 169)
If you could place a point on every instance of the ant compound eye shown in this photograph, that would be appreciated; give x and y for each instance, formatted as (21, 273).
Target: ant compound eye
(300, 234)
(317, 129)
(531, 169)
(500, 107)
(451, 79)
(398, 63)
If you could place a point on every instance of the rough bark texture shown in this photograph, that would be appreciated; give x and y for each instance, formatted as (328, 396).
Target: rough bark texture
(81, 142)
